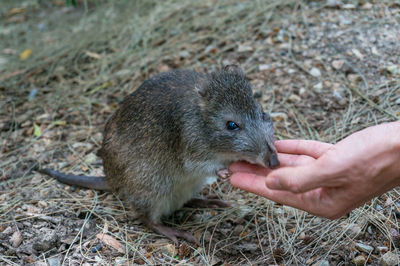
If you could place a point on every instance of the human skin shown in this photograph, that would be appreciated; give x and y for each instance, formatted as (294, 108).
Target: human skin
(324, 179)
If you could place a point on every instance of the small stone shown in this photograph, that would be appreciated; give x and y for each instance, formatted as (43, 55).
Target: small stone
(54, 261)
(382, 249)
(334, 3)
(397, 101)
(366, 6)
(321, 263)
(44, 192)
(42, 204)
(375, 51)
(353, 78)
(364, 248)
(45, 242)
(121, 261)
(389, 259)
(16, 239)
(392, 69)
(7, 231)
(169, 250)
(184, 54)
(315, 72)
(316, 221)
(349, 6)
(245, 48)
(359, 260)
(318, 87)
(394, 232)
(238, 230)
(337, 64)
(353, 230)
(90, 158)
(263, 67)
(294, 98)
(358, 54)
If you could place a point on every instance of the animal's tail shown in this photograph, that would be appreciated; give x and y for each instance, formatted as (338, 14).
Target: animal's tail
(93, 182)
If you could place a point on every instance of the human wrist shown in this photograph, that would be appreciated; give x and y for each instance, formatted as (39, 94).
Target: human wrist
(396, 135)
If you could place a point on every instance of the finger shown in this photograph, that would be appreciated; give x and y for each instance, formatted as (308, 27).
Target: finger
(303, 147)
(256, 184)
(248, 168)
(296, 179)
(284, 159)
(294, 159)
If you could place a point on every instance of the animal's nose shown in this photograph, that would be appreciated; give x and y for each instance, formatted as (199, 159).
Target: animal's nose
(272, 160)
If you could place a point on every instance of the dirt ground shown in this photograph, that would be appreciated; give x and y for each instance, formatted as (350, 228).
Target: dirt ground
(322, 69)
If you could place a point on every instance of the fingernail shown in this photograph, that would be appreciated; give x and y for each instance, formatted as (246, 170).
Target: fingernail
(273, 183)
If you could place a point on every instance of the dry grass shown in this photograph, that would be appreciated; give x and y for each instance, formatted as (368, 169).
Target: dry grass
(86, 60)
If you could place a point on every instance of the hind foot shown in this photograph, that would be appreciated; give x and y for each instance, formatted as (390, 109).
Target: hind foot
(172, 233)
(210, 201)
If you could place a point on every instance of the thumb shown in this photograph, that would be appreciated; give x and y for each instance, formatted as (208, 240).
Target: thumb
(296, 179)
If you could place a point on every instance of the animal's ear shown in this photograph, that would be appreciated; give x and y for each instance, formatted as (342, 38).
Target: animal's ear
(234, 69)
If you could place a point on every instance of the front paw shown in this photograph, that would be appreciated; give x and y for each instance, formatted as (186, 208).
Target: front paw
(224, 174)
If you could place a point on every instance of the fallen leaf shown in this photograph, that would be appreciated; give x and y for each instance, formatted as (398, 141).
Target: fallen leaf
(59, 123)
(16, 10)
(37, 132)
(93, 55)
(111, 241)
(16, 239)
(25, 54)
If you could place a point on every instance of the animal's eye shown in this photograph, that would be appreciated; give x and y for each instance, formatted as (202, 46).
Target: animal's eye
(230, 125)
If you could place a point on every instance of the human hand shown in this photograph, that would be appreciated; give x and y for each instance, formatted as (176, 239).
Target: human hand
(324, 179)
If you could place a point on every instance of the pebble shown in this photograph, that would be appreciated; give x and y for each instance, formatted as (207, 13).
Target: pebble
(353, 230)
(397, 101)
(90, 158)
(184, 54)
(318, 87)
(42, 204)
(334, 3)
(337, 64)
(389, 259)
(315, 72)
(238, 230)
(359, 260)
(7, 231)
(321, 263)
(263, 67)
(121, 261)
(16, 239)
(382, 249)
(364, 248)
(169, 250)
(45, 242)
(54, 261)
(294, 98)
(354, 78)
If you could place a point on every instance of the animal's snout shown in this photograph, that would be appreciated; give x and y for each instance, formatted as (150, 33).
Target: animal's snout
(272, 160)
